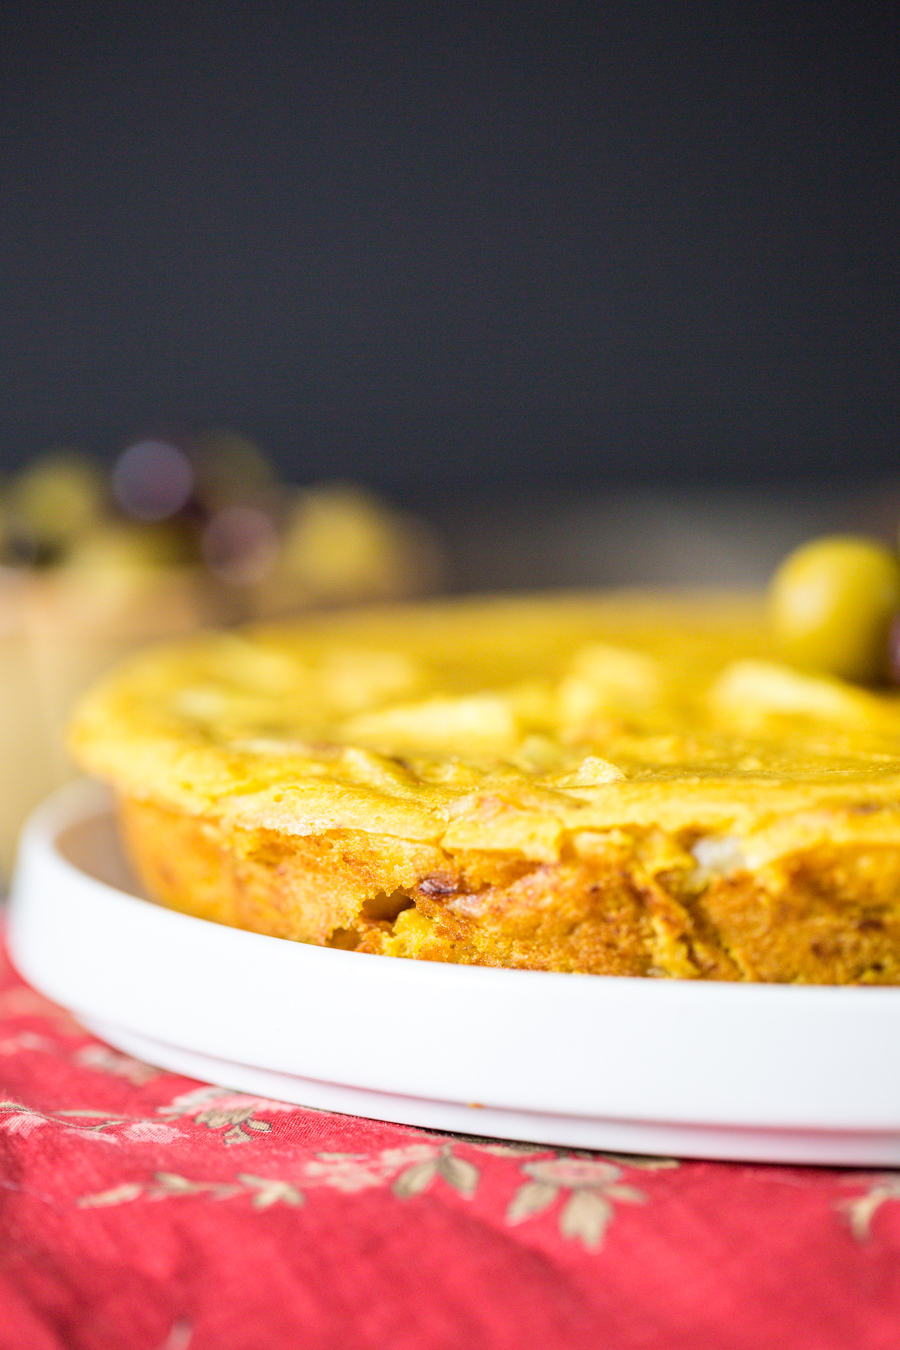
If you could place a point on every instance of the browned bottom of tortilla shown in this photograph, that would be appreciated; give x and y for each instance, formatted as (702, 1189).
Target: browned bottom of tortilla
(826, 916)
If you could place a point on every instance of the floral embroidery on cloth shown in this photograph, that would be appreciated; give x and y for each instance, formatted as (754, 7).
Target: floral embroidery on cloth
(140, 1210)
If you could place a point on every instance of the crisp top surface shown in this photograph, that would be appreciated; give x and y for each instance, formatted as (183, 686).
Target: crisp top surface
(502, 724)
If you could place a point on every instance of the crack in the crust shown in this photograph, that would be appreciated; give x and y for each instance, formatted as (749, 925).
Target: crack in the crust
(384, 908)
(699, 930)
(345, 939)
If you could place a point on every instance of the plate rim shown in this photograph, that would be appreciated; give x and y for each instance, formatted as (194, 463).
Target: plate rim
(408, 985)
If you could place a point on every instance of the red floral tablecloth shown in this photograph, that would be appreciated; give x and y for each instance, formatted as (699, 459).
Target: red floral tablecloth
(144, 1211)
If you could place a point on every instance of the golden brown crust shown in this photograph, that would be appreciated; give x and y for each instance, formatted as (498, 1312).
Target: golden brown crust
(821, 919)
(825, 916)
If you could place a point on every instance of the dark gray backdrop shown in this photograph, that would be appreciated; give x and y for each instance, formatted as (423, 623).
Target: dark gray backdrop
(441, 246)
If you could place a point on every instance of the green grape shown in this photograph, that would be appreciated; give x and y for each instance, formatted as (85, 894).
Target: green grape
(832, 602)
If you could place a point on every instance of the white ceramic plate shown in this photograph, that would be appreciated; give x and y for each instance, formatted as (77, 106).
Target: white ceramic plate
(769, 1072)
